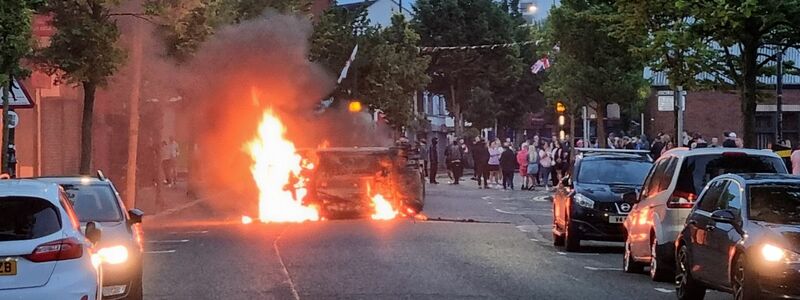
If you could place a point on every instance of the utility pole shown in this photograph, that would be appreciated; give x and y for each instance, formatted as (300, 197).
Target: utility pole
(6, 122)
(133, 124)
(679, 104)
(585, 116)
(779, 99)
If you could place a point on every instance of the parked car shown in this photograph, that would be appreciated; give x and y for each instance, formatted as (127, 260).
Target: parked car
(668, 196)
(43, 254)
(743, 237)
(592, 206)
(96, 200)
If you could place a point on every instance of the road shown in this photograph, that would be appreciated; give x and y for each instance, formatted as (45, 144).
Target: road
(506, 253)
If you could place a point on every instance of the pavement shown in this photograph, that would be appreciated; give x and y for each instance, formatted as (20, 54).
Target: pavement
(489, 244)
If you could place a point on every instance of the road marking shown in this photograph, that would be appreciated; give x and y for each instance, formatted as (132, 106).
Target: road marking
(528, 228)
(580, 254)
(160, 252)
(295, 295)
(663, 290)
(602, 269)
(167, 241)
(190, 232)
(486, 197)
(535, 240)
(542, 198)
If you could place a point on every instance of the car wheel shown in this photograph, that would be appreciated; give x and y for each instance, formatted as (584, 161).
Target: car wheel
(658, 269)
(686, 287)
(558, 240)
(630, 265)
(744, 285)
(137, 289)
(572, 240)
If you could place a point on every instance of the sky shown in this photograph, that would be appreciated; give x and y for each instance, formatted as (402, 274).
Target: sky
(541, 13)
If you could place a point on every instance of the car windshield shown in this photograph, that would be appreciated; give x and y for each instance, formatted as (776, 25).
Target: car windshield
(25, 218)
(349, 163)
(613, 171)
(699, 170)
(778, 204)
(94, 202)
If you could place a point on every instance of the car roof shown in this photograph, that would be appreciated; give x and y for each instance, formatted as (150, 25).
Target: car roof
(620, 156)
(683, 151)
(764, 178)
(353, 150)
(72, 180)
(29, 188)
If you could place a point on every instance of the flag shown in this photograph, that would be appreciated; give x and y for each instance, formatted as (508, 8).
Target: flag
(343, 75)
(540, 65)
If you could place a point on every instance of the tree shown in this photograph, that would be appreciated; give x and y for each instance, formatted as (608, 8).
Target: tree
(592, 67)
(741, 30)
(83, 51)
(15, 44)
(457, 73)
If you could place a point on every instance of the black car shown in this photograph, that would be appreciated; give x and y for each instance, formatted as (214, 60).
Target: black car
(593, 203)
(96, 200)
(742, 237)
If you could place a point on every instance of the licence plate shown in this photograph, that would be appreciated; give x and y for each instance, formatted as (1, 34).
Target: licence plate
(8, 267)
(617, 219)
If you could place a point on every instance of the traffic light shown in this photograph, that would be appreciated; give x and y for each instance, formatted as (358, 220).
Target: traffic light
(354, 106)
(562, 120)
(560, 108)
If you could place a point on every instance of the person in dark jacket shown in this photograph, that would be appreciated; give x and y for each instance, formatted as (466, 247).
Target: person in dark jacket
(480, 155)
(434, 160)
(455, 157)
(508, 164)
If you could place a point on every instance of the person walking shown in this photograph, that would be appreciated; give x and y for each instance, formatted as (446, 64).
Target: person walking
(508, 165)
(546, 161)
(434, 160)
(455, 156)
(424, 156)
(533, 167)
(561, 155)
(494, 164)
(522, 162)
(480, 154)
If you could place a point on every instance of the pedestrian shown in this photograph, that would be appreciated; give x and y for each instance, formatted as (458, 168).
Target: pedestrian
(494, 163)
(561, 155)
(508, 165)
(423, 154)
(455, 156)
(610, 141)
(739, 143)
(668, 145)
(657, 147)
(522, 162)
(714, 142)
(730, 140)
(533, 167)
(795, 158)
(434, 160)
(480, 155)
(546, 161)
(174, 152)
(166, 162)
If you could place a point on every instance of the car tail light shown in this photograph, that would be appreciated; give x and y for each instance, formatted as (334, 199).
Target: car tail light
(681, 200)
(62, 249)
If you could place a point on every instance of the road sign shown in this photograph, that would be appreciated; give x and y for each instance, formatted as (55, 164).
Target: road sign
(13, 119)
(18, 97)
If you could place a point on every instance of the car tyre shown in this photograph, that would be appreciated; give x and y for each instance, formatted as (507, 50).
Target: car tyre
(686, 287)
(658, 271)
(572, 240)
(137, 290)
(744, 284)
(630, 265)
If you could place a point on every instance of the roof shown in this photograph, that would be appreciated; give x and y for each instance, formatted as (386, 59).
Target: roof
(72, 180)
(683, 151)
(29, 188)
(357, 5)
(763, 178)
(659, 78)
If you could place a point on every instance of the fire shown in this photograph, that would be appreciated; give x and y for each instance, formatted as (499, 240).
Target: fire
(383, 209)
(277, 171)
(247, 220)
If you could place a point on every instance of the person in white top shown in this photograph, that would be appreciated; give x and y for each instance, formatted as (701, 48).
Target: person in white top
(796, 162)
(546, 160)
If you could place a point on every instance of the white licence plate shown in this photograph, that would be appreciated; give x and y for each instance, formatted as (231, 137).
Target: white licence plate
(617, 219)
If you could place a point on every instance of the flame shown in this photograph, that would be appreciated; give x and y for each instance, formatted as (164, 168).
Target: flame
(247, 220)
(383, 209)
(277, 171)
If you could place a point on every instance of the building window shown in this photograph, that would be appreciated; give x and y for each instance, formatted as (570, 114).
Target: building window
(441, 106)
(429, 103)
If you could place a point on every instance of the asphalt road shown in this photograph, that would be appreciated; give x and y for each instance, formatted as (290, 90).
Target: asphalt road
(506, 253)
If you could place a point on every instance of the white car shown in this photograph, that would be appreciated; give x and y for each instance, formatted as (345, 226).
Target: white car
(43, 254)
(668, 195)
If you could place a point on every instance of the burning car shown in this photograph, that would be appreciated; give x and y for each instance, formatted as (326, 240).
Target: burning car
(384, 181)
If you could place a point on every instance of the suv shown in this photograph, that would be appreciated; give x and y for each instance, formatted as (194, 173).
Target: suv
(96, 200)
(593, 205)
(668, 196)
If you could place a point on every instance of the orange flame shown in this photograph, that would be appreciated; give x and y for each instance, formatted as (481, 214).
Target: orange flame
(277, 170)
(247, 220)
(383, 209)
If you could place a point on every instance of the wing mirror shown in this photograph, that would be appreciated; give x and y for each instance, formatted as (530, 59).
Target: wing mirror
(136, 216)
(93, 233)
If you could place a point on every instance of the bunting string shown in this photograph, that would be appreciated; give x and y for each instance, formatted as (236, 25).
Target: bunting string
(475, 47)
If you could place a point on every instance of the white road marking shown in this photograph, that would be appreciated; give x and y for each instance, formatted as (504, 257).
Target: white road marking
(295, 295)
(602, 268)
(579, 254)
(160, 252)
(663, 290)
(191, 232)
(167, 241)
(528, 228)
(486, 197)
(541, 199)
(535, 240)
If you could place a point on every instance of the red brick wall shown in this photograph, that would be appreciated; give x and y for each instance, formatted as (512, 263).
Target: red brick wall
(61, 135)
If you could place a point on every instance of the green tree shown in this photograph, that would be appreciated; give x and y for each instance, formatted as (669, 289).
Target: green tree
(741, 29)
(592, 67)
(15, 44)
(83, 51)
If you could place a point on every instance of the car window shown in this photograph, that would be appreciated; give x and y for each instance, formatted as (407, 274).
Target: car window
(698, 170)
(709, 200)
(730, 198)
(67, 205)
(777, 204)
(25, 218)
(613, 171)
(94, 202)
(669, 171)
(656, 178)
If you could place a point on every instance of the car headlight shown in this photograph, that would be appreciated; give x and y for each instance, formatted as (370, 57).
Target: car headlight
(584, 201)
(114, 255)
(773, 253)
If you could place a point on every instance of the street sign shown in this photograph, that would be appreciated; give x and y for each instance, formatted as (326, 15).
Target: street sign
(13, 119)
(18, 97)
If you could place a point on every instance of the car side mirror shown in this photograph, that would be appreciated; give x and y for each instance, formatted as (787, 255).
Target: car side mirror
(630, 197)
(723, 216)
(93, 233)
(136, 216)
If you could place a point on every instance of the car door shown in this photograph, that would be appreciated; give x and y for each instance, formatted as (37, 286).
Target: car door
(722, 237)
(560, 198)
(696, 227)
(638, 225)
